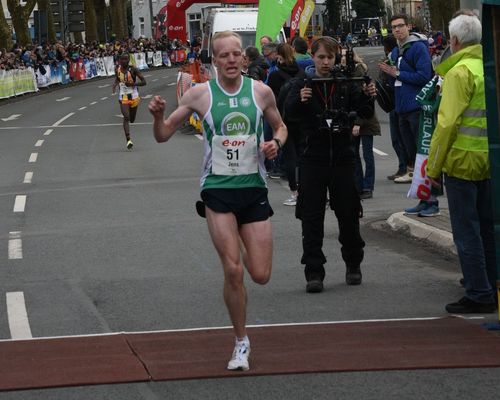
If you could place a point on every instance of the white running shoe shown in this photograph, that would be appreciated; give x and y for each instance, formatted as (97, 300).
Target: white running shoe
(292, 201)
(239, 360)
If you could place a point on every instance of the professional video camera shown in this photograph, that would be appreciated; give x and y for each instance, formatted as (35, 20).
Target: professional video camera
(338, 115)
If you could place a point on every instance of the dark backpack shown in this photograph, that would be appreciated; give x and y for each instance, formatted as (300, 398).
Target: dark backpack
(385, 89)
(284, 91)
(385, 94)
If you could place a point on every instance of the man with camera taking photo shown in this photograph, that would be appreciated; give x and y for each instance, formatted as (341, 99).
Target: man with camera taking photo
(327, 108)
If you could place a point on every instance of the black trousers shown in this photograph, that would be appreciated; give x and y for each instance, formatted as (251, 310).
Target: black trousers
(315, 183)
(291, 151)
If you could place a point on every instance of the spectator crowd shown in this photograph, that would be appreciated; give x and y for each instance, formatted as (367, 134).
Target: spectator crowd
(37, 55)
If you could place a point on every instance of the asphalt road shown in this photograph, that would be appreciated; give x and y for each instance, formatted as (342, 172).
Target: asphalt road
(107, 240)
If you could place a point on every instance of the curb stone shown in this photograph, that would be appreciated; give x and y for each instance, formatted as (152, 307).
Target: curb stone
(432, 235)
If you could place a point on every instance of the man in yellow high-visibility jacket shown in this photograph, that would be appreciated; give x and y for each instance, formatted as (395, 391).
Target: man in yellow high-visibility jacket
(459, 149)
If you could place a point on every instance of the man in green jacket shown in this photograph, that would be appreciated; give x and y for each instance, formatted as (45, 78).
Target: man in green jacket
(459, 149)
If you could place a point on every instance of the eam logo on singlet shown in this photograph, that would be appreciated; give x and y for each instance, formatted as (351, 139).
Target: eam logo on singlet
(235, 124)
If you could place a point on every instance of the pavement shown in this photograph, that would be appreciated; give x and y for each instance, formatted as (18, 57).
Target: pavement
(434, 231)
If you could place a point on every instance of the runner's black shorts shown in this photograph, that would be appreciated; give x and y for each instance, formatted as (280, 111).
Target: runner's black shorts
(247, 204)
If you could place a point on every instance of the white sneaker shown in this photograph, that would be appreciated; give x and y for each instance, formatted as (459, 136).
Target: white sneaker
(406, 178)
(239, 360)
(292, 201)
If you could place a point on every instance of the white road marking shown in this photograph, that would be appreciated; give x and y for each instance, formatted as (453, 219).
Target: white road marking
(172, 84)
(148, 96)
(12, 117)
(33, 157)
(94, 102)
(13, 128)
(147, 76)
(82, 108)
(20, 203)
(154, 80)
(118, 115)
(103, 86)
(18, 316)
(63, 119)
(39, 143)
(165, 77)
(63, 99)
(291, 324)
(104, 98)
(15, 246)
(48, 132)
(198, 136)
(379, 152)
(28, 177)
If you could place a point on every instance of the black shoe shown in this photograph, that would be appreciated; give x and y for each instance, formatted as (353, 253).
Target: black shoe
(468, 306)
(366, 194)
(314, 286)
(353, 275)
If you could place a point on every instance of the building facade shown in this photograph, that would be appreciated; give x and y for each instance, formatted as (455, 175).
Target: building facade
(143, 10)
(412, 8)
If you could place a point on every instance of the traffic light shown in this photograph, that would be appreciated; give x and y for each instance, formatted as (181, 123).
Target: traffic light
(76, 16)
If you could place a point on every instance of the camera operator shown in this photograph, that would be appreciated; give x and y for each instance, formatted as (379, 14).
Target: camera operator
(327, 109)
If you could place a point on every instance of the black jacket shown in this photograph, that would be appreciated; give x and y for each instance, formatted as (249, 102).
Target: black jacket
(283, 74)
(257, 69)
(322, 147)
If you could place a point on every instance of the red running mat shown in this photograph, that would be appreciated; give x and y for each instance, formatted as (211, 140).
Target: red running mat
(288, 349)
(38, 363)
(366, 346)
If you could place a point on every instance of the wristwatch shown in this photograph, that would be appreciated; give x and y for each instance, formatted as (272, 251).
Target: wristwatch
(397, 73)
(278, 142)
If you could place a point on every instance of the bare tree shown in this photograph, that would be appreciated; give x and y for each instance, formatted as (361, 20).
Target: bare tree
(441, 13)
(90, 21)
(20, 16)
(117, 22)
(5, 32)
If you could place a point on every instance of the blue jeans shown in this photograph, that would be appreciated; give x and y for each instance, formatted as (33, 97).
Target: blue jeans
(396, 141)
(408, 129)
(364, 181)
(471, 215)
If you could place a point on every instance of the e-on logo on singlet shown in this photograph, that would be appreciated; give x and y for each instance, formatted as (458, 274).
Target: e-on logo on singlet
(235, 123)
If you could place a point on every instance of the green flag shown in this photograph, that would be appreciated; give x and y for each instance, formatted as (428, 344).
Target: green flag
(272, 15)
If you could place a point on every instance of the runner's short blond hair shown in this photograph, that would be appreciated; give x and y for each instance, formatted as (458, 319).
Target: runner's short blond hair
(225, 34)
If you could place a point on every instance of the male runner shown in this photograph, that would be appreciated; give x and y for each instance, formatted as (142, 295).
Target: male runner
(233, 185)
(129, 99)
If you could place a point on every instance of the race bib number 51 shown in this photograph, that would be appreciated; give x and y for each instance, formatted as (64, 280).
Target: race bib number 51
(234, 155)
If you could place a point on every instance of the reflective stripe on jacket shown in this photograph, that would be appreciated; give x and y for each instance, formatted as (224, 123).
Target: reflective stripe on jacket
(459, 145)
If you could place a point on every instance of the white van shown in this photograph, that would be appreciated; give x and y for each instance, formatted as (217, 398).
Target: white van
(240, 20)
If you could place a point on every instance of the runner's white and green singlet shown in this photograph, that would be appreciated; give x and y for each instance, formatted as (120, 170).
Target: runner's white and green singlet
(233, 131)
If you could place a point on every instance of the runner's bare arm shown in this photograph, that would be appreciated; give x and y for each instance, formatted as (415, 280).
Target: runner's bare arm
(116, 82)
(139, 75)
(267, 103)
(193, 101)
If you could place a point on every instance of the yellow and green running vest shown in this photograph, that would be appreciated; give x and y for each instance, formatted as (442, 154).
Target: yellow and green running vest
(233, 131)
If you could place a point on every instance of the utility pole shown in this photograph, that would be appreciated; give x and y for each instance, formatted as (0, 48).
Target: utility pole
(151, 18)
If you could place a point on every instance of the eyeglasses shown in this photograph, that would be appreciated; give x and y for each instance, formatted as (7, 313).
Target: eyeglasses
(399, 26)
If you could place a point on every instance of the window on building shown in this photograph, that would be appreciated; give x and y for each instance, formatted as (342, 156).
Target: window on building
(141, 26)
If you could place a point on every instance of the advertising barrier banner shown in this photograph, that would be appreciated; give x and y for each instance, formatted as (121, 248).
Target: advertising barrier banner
(20, 81)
